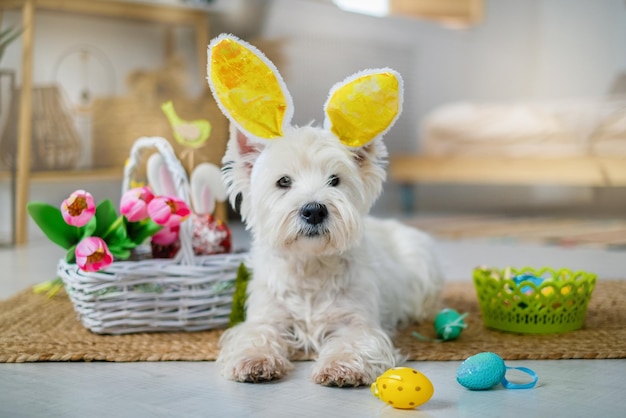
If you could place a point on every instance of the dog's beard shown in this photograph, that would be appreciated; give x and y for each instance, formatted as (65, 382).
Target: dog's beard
(338, 233)
(290, 233)
(300, 237)
(315, 244)
(313, 231)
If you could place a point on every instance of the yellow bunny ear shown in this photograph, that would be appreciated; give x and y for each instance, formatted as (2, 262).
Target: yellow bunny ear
(364, 106)
(248, 88)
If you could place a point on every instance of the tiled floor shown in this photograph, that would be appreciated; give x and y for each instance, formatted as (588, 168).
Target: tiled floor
(567, 388)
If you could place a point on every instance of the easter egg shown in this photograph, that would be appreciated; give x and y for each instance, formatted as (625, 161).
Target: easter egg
(403, 388)
(449, 324)
(521, 278)
(481, 371)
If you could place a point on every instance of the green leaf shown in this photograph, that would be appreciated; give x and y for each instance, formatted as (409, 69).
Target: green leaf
(138, 232)
(116, 234)
(119, 252)
(49, 219)
(9, 35)
(125, 244)
(70, 255)
(89, 229)
(106, 216)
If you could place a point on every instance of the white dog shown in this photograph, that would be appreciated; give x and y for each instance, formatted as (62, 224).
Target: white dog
(327, 278)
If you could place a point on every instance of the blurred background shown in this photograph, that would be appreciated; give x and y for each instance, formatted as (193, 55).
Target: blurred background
(544, 77)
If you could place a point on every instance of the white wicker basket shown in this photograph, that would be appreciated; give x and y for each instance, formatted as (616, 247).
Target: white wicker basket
(185, 293)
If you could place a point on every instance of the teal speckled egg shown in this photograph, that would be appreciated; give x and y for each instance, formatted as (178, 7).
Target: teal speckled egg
(481, 371)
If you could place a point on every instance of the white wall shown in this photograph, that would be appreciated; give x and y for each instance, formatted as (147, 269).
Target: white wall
(530, 50)
(582, 47)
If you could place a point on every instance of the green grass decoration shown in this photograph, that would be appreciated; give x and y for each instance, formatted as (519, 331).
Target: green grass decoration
(238, 312)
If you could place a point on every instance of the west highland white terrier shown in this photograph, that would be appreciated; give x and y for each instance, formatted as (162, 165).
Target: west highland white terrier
(327, 279)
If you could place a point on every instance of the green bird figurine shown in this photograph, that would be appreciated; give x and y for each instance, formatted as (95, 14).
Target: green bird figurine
(190, 134)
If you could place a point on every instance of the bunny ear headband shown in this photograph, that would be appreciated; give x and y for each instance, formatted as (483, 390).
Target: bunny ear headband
(251, 93)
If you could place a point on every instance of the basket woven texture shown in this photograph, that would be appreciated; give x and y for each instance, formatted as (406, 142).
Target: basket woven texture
(538, 301)
(185, 293)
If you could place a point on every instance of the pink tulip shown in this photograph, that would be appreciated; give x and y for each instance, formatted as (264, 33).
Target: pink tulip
(92, 254)
(168, 211)
(79, 208)
(134, 203)
(166, 236)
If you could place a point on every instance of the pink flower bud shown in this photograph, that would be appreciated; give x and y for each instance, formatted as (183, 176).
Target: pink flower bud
(167, 235)
(79, 208)
(134, 203)
(168, 210)
(92, 254)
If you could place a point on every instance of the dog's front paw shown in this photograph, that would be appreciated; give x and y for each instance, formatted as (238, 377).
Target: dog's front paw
(258, 369)
(341, 374)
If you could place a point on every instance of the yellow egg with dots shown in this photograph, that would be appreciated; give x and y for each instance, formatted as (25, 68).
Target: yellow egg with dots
(403, 388)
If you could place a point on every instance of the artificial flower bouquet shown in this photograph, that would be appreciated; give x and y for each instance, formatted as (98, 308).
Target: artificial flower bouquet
(95, 236)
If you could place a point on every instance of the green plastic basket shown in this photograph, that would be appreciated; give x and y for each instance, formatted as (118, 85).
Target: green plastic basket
(534, 301)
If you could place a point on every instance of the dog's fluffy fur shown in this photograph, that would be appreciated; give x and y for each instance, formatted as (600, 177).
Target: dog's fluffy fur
(338, 287)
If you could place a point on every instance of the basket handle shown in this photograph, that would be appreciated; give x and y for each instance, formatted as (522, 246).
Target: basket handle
(185, 255)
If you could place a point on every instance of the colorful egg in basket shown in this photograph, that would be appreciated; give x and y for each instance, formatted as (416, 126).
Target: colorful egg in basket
(535, 301)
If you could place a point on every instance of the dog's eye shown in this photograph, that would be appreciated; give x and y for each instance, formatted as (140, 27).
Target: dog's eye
(284, 182)
(333, 181)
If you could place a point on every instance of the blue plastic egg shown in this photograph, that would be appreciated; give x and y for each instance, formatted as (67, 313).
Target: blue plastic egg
(481, 371)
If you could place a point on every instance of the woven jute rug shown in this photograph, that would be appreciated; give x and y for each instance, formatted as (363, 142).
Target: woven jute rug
(34, 328)
(545, 230)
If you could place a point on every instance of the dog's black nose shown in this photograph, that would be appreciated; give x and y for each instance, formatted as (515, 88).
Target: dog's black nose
(314, 213)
